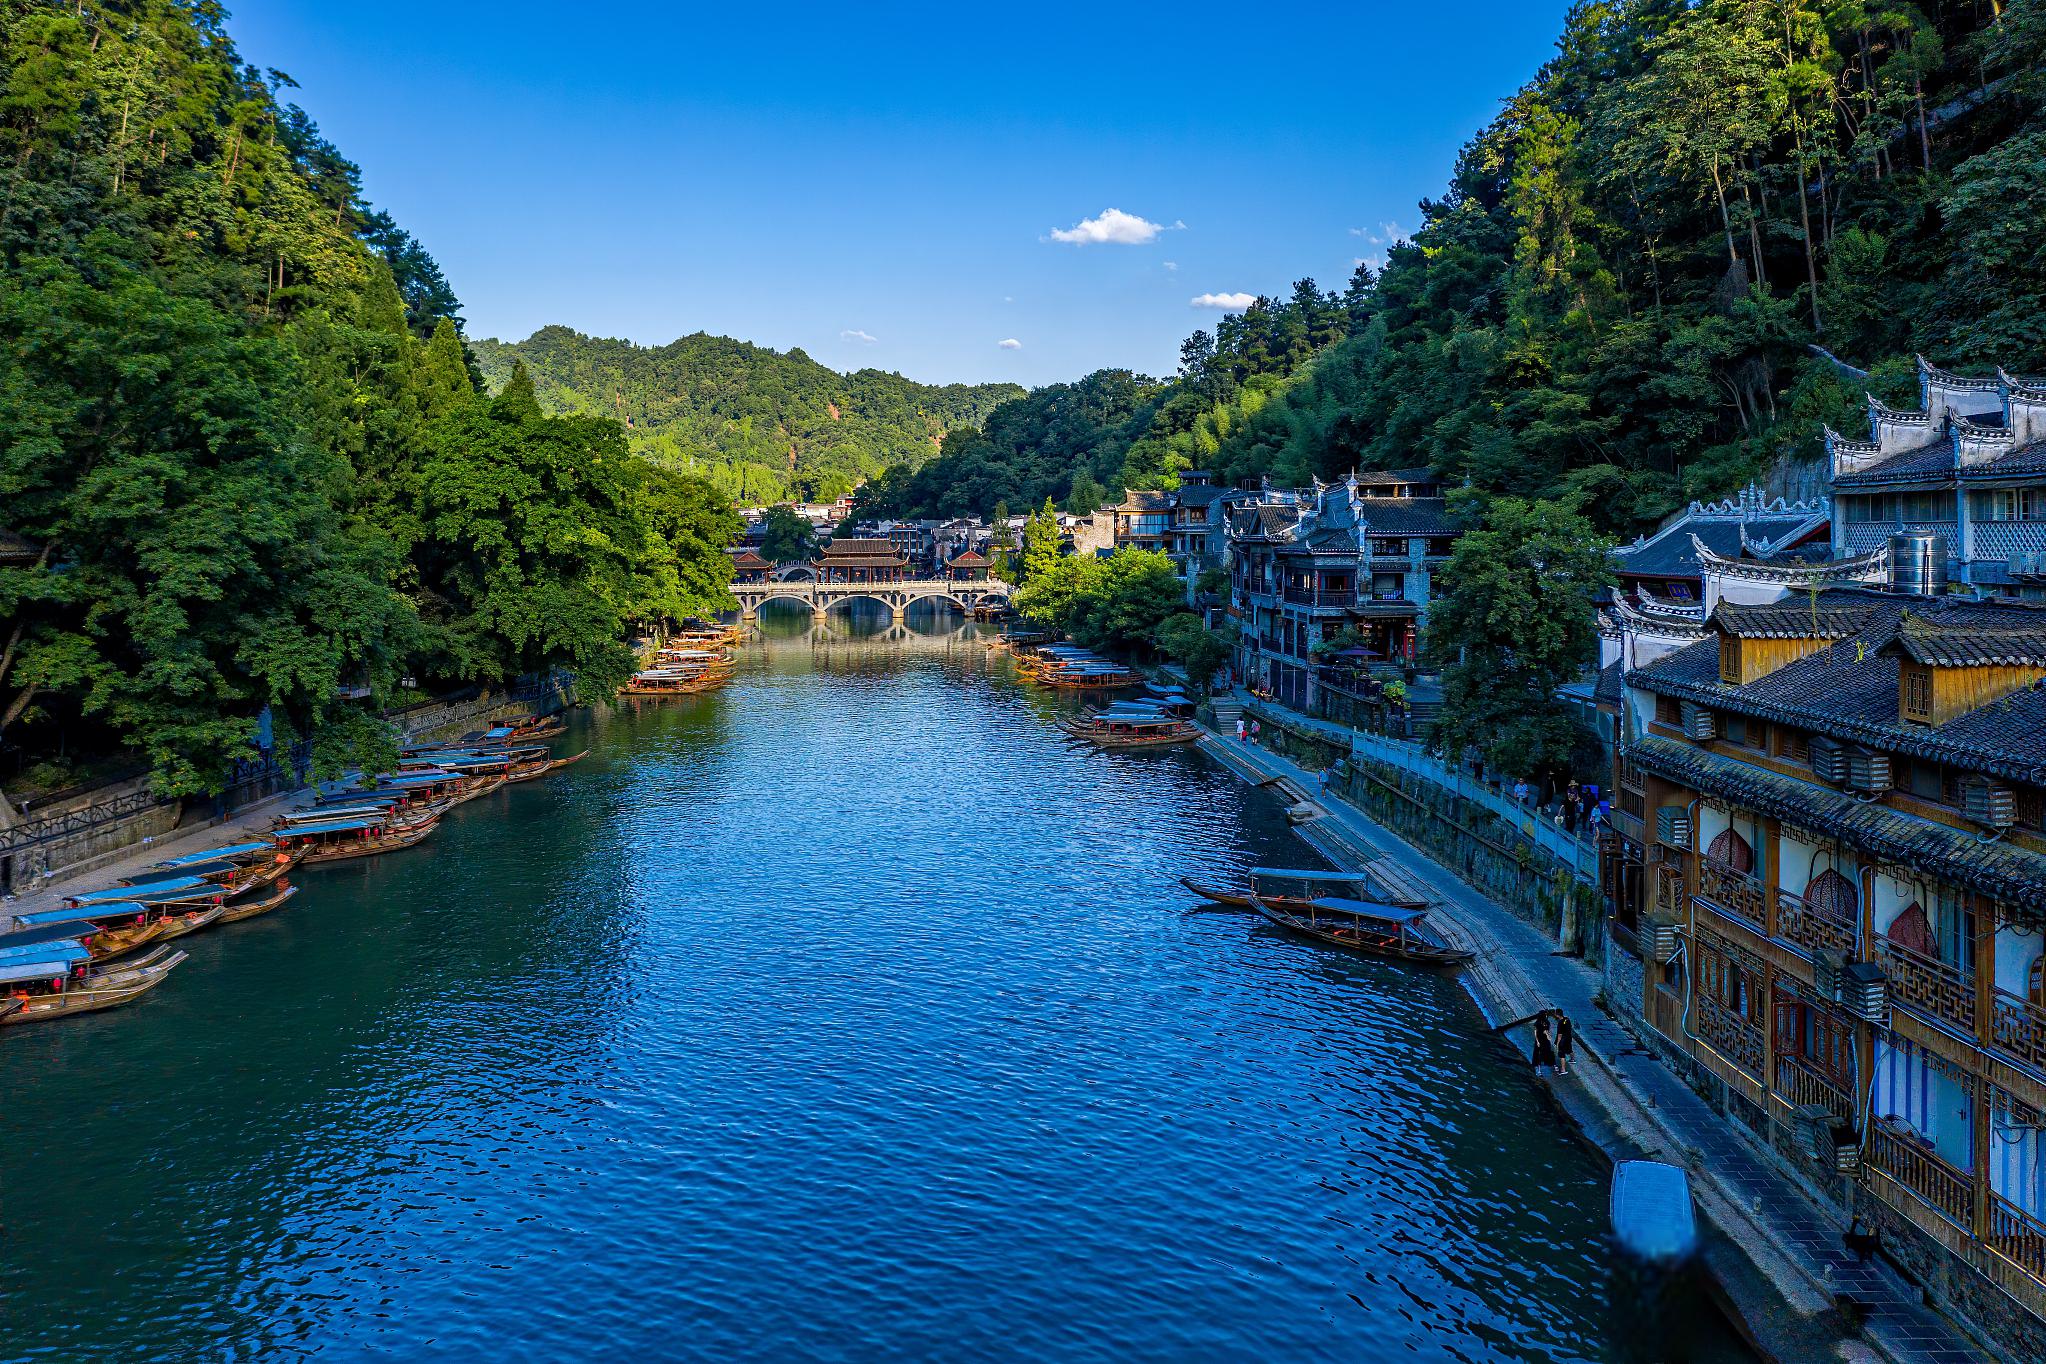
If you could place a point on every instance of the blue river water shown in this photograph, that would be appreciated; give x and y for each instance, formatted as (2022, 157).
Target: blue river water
(846, 1014)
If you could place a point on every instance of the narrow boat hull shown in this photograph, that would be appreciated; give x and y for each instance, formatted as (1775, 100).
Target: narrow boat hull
(235, 913)
(1359, 939)
(104, 989)
(370, 847)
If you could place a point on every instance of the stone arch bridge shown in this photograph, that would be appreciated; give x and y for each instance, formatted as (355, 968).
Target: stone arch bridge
(821, 597)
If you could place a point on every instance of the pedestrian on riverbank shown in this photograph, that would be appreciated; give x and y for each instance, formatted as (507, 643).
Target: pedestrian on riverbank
(1573, 807)
(1255, 728)
(1566, 1042)
(1239, 729)
(1544, 1044)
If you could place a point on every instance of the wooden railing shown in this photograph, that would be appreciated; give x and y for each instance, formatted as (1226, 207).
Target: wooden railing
(1802, 1084)
(1735, 892)
(2017, 1236)
(1732, 1036)
(1669, 889)
(1911, 1163)
(2019, 1027)
(1929, 985)
(1811, 928)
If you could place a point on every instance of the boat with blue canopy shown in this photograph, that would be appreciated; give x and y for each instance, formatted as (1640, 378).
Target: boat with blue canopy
(61, 984)
(1653, 1218)
(1367, 926)
(335, 840)
(166, 886)
(230, 853)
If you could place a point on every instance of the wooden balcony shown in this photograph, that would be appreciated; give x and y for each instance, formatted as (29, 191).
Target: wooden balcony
(1733, 893)
(2017, 1236)
(1732, 1036)
(1301, 594)
(1669, 890)
(1812, 929)
(2019, 1027)
(1910, 1162)
(1929, 985)
(1801, 1084)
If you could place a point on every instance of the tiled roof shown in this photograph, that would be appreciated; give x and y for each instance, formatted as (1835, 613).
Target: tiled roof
(972, 558)
(1269, 519)
(2026, 459)
(1792, 619)
(1419, 473)
(1669, 553)
(1197, 494)
(1611, 683)
(1407, 516)
(851, 547)
(14, 546)
(1975, 648)
(2000, 870)
(1849, 689)
(747, 557)
(1926, 464)
(1144, 500)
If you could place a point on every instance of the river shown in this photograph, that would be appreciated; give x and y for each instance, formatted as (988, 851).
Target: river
(845, 1014)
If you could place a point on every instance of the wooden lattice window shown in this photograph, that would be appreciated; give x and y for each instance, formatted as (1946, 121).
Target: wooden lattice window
(1730, 660)
(2031, 804)
(1668, 711)
(1917, 700)
(1793, 744)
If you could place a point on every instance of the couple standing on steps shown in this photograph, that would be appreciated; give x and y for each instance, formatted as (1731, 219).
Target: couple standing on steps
(1555, 1038)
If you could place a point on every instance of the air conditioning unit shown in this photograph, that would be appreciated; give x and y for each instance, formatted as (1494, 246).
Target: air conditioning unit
(1699, 722)
(1868, 771)
(1989, 802)
(1659, 938)
(1835, 1145)
(1865, 993)
(1673, 827)
(1827, 969)
(1829, 760)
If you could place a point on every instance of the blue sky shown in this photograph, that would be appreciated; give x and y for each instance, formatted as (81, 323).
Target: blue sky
(880, 184)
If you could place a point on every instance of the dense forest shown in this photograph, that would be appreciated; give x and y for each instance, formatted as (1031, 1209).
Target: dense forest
(764, 426)
(1618, 295)
(249, 480)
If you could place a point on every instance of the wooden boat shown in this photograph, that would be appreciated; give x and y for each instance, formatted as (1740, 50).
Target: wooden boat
(1290, 886)
(358, 836)
(234, 868)
(1363, 926)
(76, 987)
(248, 907)
(191, 921)
(658, 682)
(1088, 675)
(543, 767)
(1132, 730)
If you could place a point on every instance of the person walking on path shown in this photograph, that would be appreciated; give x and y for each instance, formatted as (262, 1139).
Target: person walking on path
(1544, 1044)
(1254, 728)
(1520, 793)
(1566, 1042)
(1239, 729)
(1573, 807)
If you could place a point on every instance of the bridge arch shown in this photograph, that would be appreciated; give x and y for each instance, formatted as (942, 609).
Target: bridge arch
(750, 603)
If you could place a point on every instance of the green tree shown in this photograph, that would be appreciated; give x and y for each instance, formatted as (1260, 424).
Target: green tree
(1085, 497)
(1186, 639)
(789, 539)
(1041, 552)
(1122, 604)
(1513, 624)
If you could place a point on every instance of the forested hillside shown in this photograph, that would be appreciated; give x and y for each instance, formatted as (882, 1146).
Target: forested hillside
(765, 426)
(245, 471)
(1616, 295)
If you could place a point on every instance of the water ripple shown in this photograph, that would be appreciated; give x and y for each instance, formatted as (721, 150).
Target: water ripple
(849, 1014)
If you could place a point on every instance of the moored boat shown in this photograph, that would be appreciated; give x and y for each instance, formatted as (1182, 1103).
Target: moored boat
(57, 982)
(1290, 886)
(250, 905)
(1653, 1219)
(1362, 926)
(1131, 729)
(542, 766)
(367, 835)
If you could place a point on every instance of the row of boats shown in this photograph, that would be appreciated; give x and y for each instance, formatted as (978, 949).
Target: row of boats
(691, 662)
(1157, 717)
(104, 947)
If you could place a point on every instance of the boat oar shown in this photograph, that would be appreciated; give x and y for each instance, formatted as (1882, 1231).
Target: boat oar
(1507, 1027)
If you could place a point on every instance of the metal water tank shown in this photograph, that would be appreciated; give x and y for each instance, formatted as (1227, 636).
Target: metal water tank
(1918, 563)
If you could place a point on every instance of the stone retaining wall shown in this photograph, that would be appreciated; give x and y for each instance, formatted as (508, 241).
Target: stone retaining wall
(1486, 852)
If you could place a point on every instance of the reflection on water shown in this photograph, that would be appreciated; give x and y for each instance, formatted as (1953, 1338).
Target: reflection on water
(848, 1013)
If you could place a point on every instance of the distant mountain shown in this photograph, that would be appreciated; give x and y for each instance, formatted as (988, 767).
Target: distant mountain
(763, 424)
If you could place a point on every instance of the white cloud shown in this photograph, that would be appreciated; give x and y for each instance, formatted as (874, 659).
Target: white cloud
(1228, 303)
(1011, 344)
(1008, 298)
(1172, 265)
(855, 334)
(1111, 226)
(1385, 234)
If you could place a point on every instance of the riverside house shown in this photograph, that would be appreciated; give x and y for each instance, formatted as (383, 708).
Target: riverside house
(1305, 566)
(1829, 855)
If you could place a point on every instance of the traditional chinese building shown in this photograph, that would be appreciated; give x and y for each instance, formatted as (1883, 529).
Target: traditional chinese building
(860, 561)
(1969, 466)
(1829, 857)
(968, 566)
(1749, 527)
(1305, 567)
(748, 566)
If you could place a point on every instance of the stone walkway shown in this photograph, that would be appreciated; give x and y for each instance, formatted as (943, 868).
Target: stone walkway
(1792, 1241)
